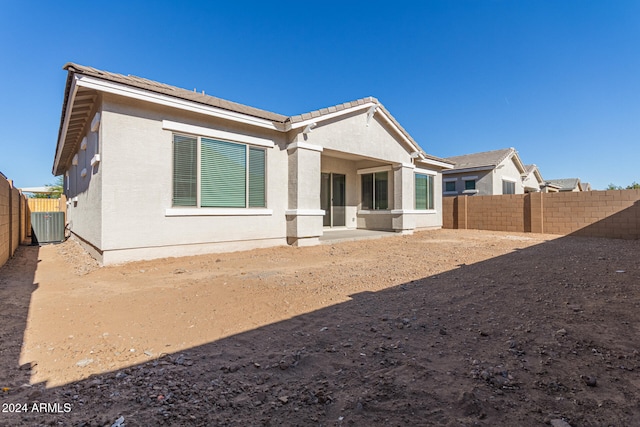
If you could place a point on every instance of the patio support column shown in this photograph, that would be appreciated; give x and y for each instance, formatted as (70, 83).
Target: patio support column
(304, 216)
(402, 219)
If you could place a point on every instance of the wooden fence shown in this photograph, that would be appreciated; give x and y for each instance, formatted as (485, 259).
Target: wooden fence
(15, 216)
(612, 213)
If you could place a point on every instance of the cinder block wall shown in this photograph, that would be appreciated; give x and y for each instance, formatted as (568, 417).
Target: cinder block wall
(613, 214)
(5, 224)
(449, 220)
(10, 219)
(502, 213)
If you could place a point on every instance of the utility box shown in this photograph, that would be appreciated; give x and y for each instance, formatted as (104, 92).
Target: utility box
(47, 227)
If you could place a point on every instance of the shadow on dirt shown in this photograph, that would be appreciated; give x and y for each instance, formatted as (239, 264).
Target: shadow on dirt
(539, 334)
(16, 289)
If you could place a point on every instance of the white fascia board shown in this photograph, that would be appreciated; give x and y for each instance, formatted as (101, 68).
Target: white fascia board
(169, 101)
(305, 146)
(65, 123)
(216, 133)
(399, 132)
(405, 165)
(329, 116)
(425, 171)
(516, 159)
(373, 170)
(436, 163)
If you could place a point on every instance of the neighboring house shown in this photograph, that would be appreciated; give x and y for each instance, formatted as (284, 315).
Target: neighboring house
(532, 179)
(151, 170)
(569, 184)
(486, 173)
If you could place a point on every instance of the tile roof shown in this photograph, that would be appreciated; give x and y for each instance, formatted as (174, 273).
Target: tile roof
(161, 88)
(164, 89)
(477, 160)
(565, 183)
(333, 109)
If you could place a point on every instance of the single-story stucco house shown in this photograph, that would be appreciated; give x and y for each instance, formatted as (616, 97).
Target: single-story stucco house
(486, 173)
(151, 170)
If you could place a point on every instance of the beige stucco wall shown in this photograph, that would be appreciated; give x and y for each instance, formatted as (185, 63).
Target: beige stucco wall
(137, 187)
(351, 134)
(530, 181)
(85, 194)
(507, 170)
(124, 205)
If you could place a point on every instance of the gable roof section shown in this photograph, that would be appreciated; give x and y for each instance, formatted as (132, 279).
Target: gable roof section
(83, 80)
(485, 160)
(374, 106)
(533, 169)
(565, 184)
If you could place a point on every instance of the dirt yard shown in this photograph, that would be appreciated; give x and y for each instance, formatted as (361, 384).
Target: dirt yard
(442, 328)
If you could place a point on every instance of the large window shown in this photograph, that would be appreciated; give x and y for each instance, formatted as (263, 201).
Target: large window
(375, 191)
(508, 187)
(424, 191)
(217, 174)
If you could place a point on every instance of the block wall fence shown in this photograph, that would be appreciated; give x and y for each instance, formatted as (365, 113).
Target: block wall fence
(13, 226)
(612, 213)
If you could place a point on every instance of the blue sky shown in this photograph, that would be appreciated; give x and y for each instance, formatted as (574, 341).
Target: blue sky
(558, 80)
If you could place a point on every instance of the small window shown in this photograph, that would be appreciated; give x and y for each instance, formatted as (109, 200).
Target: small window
(450, 186)
(375, 191)
(508, 187)
(470, 184)
(424, 192)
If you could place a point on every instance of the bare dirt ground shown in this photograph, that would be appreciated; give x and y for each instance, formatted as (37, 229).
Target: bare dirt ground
(442, 328)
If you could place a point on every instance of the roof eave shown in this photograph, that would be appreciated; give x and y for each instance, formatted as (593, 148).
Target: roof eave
(439, 163)
(69, 93)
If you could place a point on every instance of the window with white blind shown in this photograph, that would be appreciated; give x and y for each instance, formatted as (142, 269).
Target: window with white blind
(209, 173)
(508, 187)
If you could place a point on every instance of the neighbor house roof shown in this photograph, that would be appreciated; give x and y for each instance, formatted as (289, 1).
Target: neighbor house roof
(484, 160)
(73, 121)
(565, 184)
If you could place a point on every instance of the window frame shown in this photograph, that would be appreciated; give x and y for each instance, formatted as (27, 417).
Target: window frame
(430, 201)
(466, 184)
(247, 209)
(374, 203)
(511, 184)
